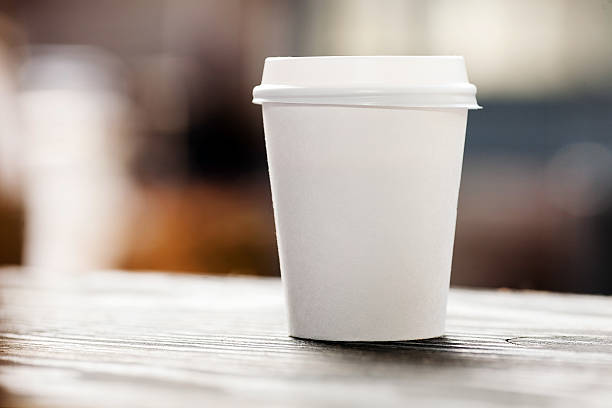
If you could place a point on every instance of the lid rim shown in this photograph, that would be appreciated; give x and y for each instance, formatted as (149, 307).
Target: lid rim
(393, 80)
(461, 95)
(357, 89)
(374, 105)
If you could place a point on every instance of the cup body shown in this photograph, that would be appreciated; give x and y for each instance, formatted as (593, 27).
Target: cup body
(365, 204)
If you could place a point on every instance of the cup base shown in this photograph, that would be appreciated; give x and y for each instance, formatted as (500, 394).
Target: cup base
(368, 339)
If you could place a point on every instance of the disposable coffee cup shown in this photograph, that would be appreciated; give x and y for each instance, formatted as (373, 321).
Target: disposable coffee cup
(365, 157)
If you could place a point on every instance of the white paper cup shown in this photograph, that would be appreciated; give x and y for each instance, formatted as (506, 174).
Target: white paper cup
(365, 159)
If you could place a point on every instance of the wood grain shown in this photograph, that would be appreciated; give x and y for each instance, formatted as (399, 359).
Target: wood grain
(162, 340)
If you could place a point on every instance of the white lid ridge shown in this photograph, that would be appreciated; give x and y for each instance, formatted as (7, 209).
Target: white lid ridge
(392, 81)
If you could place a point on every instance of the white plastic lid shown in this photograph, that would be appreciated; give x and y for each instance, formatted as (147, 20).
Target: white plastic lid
(393, 81)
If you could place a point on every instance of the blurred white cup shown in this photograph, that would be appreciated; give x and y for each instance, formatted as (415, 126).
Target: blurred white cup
(76, 184)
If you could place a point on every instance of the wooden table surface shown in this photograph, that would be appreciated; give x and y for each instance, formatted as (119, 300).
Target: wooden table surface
(163, 340)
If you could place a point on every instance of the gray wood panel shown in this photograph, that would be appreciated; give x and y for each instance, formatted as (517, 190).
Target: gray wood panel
(161, 340)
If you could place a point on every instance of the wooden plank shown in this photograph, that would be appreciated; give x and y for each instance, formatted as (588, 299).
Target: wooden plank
(159, 340)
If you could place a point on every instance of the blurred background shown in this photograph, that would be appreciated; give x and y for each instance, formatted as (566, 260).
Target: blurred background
(128, 138)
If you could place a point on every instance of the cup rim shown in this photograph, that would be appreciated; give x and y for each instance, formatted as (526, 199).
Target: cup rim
(438, 81)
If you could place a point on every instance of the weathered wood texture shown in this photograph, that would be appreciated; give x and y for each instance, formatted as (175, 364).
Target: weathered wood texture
(160, 340)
